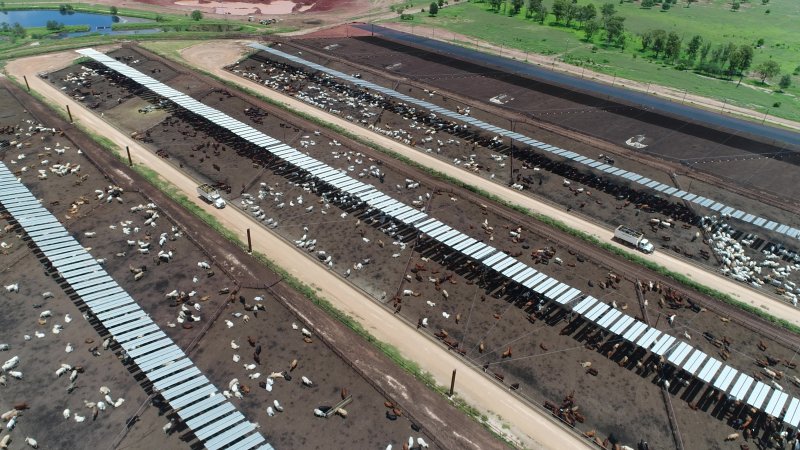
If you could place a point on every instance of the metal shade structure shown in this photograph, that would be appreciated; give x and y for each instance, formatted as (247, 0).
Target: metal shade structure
(657, 186)
(181, 384)
(550, 289)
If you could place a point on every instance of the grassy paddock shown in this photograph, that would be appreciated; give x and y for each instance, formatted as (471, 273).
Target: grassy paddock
(711, 19)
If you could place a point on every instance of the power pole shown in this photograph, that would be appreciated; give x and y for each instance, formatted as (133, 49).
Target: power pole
(511, 165)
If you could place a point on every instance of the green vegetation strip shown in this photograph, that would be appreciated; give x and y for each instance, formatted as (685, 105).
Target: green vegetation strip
(557, 224)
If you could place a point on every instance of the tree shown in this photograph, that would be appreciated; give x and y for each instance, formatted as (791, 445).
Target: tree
(744, 60)
(18, 31)
(648, 3)
(659, 41)
(590, 29)
(727, 52)
(560, 9)
(573, 10)
(113, 10)
(704, 52)
(665, 6)
(587, 13)
(54, 25)
(495, 5)
(516, 5)
(768, 69)
(531, 6)
(734, 61)
(621, 41)
(735, 6)
(607, 11)
(693, 47)
(433, 9)
(647, 39)
(672, 48)
(786, 81)
(541, 14)
(615, 27)
(196, 15)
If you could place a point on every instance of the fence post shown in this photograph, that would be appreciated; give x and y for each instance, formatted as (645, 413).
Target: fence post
(70, 114)
(26, 82)
(130, 161)
(452, 383)
(249, 242)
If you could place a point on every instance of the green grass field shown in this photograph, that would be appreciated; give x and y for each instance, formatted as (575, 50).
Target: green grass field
(711, 19)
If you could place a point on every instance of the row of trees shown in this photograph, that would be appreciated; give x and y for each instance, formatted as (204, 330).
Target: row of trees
(54, 25)
(569, 14)
(15, 31)
(721, 60)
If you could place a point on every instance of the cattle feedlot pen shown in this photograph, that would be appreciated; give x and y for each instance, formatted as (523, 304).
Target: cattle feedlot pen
(180, 383)
(492, 259)
(610, 170)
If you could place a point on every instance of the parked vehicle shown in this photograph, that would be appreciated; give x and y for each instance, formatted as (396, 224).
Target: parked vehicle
(211, 195)
(634, 239)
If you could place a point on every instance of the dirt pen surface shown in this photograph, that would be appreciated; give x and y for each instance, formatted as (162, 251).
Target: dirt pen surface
(616, 123)
(582, 190)
(519, 341)
(228, 305)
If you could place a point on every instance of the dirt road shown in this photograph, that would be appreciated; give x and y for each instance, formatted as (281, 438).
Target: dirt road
(553, 62)
(527, 425)
(213, 56)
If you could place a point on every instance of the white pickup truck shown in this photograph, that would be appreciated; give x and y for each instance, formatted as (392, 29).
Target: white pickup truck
(211, 195)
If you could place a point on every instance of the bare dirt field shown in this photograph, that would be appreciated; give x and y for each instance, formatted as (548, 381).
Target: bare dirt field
(472, 313)
(105, 227)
